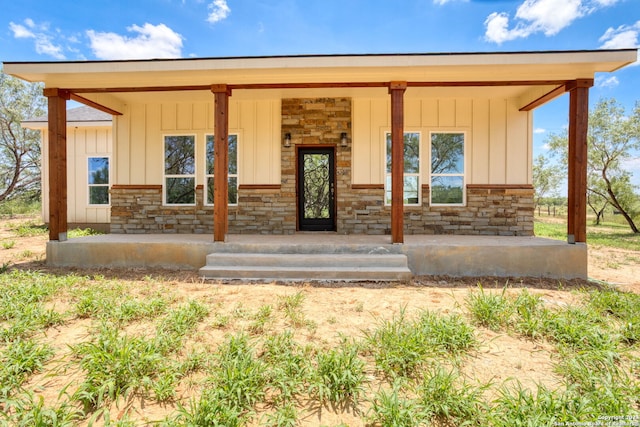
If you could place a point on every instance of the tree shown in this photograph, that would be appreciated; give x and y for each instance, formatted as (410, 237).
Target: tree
(613, 137)
(546, 178)
(19, 147)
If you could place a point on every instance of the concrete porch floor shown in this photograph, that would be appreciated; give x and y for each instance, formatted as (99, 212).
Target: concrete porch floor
(458, 256)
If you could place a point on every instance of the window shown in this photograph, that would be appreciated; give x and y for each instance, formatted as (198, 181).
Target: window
(232, 173)
(179, 170)
(98, 180)
(447, 169)
(411, 195)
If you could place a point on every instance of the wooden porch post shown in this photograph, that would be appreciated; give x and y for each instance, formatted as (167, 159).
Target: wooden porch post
(57, 124)
(221, 162)
(577, 178)
(396, 90)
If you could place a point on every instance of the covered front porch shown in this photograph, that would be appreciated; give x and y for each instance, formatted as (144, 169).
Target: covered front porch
(326, 256)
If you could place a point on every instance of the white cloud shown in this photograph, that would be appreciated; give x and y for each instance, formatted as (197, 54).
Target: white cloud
(606, 82)
(539, 16)
(40, 34)
(151, 41)
(20, 31)
(219, 10)
(625, 36)
(539, 130)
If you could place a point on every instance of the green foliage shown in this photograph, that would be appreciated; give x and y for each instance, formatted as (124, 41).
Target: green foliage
(339, 375)
(490, 309)
(239, 378)
(82, 232)
(390, 408)
(287, 367)
(19, 147)
(30, 411)
(401, 346)
(115, 365)
(19, 360)
(30, 229)
(445, 398)
(22, 302)
(613, 137)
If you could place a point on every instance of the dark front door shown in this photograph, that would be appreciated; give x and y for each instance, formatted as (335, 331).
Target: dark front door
(316, 189)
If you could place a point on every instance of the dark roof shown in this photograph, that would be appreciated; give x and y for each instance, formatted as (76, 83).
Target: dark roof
(79, 114)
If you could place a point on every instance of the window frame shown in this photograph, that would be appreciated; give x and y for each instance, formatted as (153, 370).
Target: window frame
(108, 184)
(208, 176)
(462, 174)
(387, 175)
(189, 176)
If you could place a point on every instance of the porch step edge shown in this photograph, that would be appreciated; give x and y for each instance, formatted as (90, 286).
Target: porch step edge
(311, 273)
(307, 260)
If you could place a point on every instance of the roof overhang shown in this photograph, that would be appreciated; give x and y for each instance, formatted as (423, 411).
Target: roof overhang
(447, 69)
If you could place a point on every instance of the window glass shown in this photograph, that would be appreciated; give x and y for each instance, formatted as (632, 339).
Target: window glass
(233, 169)
(447, 168)
(98, 180)
(179, 169)
(411, 194)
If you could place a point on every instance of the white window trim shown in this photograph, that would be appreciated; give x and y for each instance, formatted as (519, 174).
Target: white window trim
(229, 175)
(165, 176)
(464, 168)
(418, 174)
(98, 185)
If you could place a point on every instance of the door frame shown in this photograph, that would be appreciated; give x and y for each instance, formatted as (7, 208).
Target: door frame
(321, 147)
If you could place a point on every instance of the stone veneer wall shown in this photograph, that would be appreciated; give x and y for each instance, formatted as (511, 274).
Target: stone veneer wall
(490, 210)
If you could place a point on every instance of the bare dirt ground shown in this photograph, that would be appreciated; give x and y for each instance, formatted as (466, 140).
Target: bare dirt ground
(340, 309)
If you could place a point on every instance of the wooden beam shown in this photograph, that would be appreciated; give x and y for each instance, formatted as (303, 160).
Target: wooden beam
(560, 90)
(396, 90)
(57, 124)
(221, 162)
(90, 103)
(577, 174)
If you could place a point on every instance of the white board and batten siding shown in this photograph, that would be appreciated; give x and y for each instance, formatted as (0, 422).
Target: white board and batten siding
(498, 136)
(82, 143)
(140, 148)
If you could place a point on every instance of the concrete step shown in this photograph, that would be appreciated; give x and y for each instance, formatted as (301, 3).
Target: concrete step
(317, 266)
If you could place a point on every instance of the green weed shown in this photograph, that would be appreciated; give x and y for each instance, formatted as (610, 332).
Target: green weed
(115, 365)
(30, 229)
(260, 320)
(287, 367)
(82, 232)
(284, 416)
(29, 410)
(239, 378)
(292, 307)
(490, 309)
(390, 408)
(19, 360)
(338, 376)
(8, 244)
(210, 410)
(446, 399)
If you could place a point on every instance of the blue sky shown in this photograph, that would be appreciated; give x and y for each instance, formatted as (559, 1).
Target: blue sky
(37, 30)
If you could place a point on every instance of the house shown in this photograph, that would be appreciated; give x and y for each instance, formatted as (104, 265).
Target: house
(89, 153)
(392, 145)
